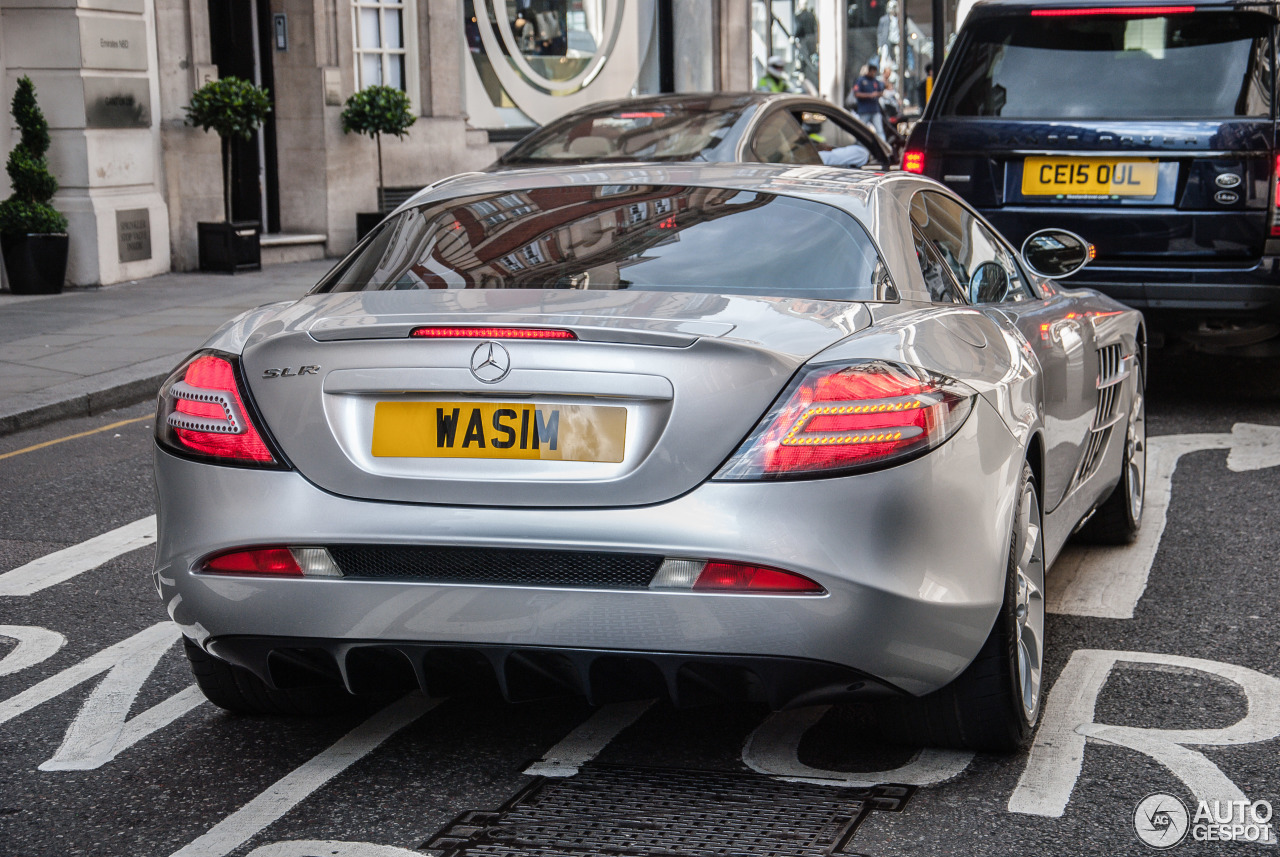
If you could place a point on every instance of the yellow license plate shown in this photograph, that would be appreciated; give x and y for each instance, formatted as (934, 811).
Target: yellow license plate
(1089, 177)
(499, 430)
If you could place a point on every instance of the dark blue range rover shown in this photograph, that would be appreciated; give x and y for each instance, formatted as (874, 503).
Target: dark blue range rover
(1150, 130)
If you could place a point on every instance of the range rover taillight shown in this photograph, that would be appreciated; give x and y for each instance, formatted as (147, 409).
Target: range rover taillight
(1275, 199)
(202, 413)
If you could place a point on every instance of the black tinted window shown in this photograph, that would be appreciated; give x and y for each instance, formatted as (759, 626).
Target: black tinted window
(621, 237)
(1188, 66)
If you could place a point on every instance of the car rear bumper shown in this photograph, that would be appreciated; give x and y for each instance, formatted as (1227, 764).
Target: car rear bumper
(912, 559)
(523, 673)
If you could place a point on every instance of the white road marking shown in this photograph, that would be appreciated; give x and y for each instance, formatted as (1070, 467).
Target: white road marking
(1057, 755)
(330, 848)
(294, 787)
(774, 749)
(35, 645)
(586, 741)
(100, 731)
(65, 564)
(1108, 582)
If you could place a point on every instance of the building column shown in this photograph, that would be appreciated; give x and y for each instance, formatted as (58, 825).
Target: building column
(733, 45)
(94, 66)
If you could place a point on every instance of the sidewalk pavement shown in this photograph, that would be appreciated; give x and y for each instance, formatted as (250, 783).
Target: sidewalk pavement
(89, 350)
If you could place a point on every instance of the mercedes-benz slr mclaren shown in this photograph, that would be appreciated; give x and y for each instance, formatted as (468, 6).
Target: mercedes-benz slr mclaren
(788, 434)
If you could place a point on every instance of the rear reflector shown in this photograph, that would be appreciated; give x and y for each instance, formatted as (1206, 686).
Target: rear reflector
(736, 577)
(913, 161)
(274, 562)
(1127, 11)
(840, 419)
(491, 333)
(201, 411)
(721, 576)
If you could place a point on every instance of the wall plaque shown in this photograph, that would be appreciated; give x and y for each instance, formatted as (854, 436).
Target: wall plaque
(133, 234)
(113, 43)
(117, 102)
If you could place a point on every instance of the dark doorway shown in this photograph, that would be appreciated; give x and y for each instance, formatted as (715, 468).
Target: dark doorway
(239, 35)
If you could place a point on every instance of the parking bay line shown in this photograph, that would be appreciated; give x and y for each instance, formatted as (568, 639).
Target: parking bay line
(65, 564)
(294, 787)
(1108, 582)
(587, 741)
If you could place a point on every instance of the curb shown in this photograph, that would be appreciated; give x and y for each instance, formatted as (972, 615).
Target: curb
(88, 396)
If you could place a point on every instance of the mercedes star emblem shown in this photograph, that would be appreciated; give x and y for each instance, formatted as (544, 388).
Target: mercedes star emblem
(490, 362)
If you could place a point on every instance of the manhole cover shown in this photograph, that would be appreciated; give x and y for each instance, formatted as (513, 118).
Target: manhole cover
(657, 812)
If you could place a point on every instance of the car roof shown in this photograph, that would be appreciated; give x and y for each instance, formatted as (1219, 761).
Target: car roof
(993, 8)
(853, 190)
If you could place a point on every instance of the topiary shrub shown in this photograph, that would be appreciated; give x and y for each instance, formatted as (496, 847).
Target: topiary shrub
(27, 210)
(374, 111)
(230, 107)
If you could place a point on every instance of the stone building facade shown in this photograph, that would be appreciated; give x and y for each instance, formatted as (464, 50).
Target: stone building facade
(114, 76)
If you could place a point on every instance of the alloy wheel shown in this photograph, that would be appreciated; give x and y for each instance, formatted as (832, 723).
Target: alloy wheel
(1029, 604)
(1135, 453)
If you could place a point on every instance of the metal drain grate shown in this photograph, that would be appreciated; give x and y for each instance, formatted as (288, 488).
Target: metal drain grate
(653, 812)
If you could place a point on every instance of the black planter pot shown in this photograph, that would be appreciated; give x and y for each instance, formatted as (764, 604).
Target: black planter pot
(366, 221)
(36, 264)
(230, 247)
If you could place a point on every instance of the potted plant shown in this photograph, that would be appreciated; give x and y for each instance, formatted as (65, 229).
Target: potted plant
(374, 111)
(33, 235)
(231, 107)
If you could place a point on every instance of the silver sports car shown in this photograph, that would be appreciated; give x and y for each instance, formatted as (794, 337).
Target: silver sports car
(790, 434)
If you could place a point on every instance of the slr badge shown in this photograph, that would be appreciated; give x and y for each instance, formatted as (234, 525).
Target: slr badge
(490, 362)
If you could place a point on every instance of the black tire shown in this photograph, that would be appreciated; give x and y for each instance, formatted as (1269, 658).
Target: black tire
(236, 689)
(1117, 520)
(983, 709)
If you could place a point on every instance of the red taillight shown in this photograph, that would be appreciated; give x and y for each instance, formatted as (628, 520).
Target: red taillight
(1127, 11)
(1275, 199)
(491, 333)
(843, 419)
(278, 561)
(201, 411)
(913, 161)
(738, 577)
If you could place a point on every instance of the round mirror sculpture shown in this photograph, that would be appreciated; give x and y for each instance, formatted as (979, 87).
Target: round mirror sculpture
(1055, 253)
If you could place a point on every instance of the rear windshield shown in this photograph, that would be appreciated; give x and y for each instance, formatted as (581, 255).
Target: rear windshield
(1203, 65)
(658, 238)
(645, 134)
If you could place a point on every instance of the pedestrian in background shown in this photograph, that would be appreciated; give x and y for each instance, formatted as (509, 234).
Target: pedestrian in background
(925, 88)
(866, 97)
(775, 77)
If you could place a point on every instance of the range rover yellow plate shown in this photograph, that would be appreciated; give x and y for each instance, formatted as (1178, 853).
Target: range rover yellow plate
(1090, 176)
(499, 430)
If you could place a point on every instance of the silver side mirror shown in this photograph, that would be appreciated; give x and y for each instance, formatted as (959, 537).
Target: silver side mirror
(1055, 253)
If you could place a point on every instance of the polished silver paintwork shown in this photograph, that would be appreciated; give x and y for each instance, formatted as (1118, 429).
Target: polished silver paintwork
(913, 557)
